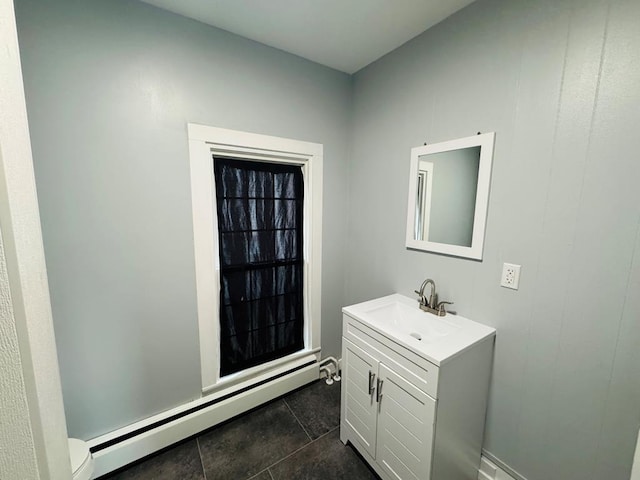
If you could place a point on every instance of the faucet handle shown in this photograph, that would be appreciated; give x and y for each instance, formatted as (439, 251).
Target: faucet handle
(440, 307)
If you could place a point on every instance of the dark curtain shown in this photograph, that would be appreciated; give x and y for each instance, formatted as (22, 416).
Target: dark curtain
(260, 214)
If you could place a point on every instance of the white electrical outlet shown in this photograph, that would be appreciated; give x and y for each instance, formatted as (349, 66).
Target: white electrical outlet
(510, 276)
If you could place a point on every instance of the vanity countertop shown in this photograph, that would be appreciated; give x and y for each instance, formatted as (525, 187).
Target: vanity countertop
(437, 339)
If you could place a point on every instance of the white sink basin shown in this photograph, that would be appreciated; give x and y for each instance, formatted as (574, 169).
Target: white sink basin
(410, 320)
(435, 338)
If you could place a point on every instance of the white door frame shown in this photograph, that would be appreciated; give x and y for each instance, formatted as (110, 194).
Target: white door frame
(635, 469)
(47, 449)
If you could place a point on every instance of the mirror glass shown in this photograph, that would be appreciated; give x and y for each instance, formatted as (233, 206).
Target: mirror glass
(448, 196)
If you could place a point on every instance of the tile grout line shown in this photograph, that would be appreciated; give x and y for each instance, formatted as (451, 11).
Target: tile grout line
(299, 449)
(311, 441)
(268, 469)
(260, 473)
(204, 472)
(328, 432)
(297, 419)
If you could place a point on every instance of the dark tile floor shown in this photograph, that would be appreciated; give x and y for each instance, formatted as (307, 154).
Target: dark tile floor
(296, 437)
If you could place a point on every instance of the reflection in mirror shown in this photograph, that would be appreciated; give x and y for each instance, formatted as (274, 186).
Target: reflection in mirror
(445, 215)
(448, 195)
(423, 200)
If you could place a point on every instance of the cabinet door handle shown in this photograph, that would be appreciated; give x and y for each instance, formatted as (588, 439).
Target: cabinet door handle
(379, 391)
(372, 377)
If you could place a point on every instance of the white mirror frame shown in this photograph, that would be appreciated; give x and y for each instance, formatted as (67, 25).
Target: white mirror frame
(485, 142)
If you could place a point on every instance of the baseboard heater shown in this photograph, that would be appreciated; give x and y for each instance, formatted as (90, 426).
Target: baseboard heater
(126, 445)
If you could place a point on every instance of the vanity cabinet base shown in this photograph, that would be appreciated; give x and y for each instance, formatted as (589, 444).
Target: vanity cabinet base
(411, 419)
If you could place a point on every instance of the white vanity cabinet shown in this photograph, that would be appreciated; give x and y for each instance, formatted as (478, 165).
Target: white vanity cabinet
(409, 417)
(391, 418)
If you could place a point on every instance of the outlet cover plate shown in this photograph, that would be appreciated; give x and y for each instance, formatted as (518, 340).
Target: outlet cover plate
(510, 276)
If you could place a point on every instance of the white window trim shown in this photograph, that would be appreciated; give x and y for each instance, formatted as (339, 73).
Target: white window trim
(204, 142)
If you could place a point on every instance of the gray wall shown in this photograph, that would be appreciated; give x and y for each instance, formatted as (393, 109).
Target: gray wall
(110, 88)
(559, 81)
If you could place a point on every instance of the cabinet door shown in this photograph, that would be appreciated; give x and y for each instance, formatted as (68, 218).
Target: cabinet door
(405, 428)
(359, 381)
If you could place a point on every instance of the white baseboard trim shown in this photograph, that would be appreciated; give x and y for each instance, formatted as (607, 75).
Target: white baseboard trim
(490, 471)
(127, 451)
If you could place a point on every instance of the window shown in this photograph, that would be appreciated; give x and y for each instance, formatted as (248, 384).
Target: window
(260, 238)
(257, 211)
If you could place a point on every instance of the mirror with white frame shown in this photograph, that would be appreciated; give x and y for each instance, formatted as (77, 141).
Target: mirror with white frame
(449, 195)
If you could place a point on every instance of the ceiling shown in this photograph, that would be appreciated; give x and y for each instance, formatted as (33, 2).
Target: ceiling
(343, 34)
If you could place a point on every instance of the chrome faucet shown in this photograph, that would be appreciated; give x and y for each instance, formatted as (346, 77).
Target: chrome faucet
(432, 305)
(432, 297)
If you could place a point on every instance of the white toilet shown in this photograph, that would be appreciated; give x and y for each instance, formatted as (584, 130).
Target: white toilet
(81, 459)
